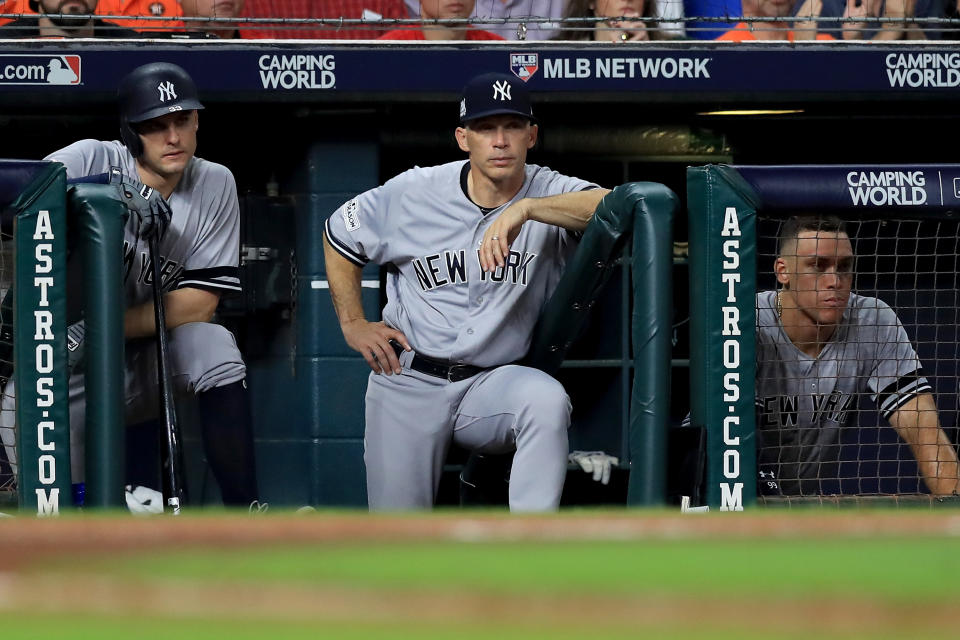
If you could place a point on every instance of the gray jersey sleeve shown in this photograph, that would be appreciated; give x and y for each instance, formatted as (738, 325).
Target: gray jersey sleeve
(897, 375)
(213, 260)
(358, 229)
(91, 157)
(548, 182)
(556, 183)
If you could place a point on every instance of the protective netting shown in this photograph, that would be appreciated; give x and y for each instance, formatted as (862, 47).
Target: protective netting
(825, 401)
(535, 20)
(7, 416)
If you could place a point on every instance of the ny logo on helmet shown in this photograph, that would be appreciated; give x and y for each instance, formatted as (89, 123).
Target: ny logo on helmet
(167, 91)
(501, 90)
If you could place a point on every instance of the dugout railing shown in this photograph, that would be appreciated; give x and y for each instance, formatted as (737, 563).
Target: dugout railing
(633, 223)
(904, 226)
(36, 202)
(33, 196)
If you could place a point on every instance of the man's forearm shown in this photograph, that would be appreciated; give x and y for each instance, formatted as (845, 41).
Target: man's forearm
(572, 211)
(343, 277)
(180, 307)
(919, 426)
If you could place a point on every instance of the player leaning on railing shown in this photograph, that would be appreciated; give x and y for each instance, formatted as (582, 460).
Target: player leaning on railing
(199, 255)
(474, 249)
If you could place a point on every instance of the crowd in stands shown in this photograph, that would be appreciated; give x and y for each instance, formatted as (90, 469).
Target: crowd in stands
(449, 10)
(565, 20)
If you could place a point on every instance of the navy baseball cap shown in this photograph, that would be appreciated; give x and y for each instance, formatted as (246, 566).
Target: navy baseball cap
(493, 94)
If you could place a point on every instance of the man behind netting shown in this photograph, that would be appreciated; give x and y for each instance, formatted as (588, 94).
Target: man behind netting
(819, 346)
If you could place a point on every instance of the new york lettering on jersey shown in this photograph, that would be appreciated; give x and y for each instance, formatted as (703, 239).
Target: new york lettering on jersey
(782, 412)
(170, 270)
(438, 270)
(433, 294)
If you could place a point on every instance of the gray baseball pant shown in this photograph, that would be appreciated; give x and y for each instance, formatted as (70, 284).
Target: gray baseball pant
(412, 418)
(202, 356)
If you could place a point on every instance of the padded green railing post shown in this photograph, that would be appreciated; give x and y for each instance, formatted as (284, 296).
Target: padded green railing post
(654, 206)
(723, 210)
(40, 352)
(99, 221)
(563, 316)
(649, 207)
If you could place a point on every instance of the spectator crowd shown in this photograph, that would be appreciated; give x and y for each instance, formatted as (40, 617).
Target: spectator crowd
(563, 20)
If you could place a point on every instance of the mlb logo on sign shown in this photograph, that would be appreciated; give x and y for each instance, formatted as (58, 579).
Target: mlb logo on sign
(39, 69)
(524, 65)
(63, 70)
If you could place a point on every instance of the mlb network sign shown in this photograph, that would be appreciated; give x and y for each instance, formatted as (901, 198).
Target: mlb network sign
(39, 69)
(525, 65)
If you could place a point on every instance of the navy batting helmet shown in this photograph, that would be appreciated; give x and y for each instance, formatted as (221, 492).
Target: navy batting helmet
(151, 91)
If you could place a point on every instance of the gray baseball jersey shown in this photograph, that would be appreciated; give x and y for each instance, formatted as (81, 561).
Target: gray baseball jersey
(423, 225)
(803, 402)
(201, 248)
(429, 231)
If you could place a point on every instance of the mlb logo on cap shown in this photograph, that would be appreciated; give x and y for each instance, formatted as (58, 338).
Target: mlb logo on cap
(493, 94)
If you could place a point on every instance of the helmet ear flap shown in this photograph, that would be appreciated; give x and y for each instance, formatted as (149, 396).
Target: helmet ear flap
(130, 138)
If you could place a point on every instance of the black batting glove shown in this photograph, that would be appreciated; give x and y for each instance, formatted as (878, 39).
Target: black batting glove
(75, 338)
(145, 202)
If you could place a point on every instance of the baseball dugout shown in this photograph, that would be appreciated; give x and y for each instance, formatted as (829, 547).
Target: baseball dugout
(633, 224)
(904, 229)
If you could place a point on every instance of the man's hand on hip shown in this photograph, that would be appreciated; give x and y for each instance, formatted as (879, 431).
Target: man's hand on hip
(372, 341)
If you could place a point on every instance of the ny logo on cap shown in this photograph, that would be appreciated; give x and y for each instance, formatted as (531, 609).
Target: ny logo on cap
(501, 90)
(167, 91)
(463, 108)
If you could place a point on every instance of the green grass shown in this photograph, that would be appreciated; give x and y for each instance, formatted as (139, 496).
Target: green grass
(137, 626)
(61, 627)
(889, 569)
(878, 572)
(152, 627)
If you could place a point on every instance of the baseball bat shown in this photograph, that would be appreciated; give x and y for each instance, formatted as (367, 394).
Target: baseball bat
(173, 455)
